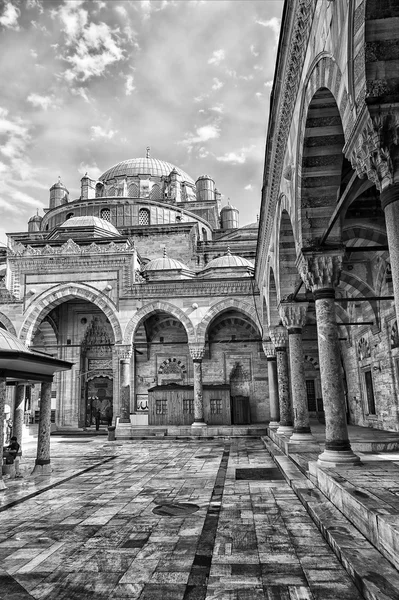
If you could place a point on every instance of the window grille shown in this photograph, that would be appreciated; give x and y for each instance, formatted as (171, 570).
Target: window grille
(368, 381)
(105, 214)
(161, 407)
(144, 216)
(311, 394)
(216, 406)
(188, 405)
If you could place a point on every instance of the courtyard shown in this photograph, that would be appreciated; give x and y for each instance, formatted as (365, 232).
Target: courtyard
(162, 519)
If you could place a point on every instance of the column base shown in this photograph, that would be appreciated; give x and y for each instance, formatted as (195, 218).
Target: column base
(302, 437)
(42, 469)
(2, 484)
(274, 424)
(198, 424)
(285, 429)
(124, 420)
(336, 458)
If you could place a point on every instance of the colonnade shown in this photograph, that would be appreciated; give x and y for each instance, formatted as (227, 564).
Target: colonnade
(320, 271)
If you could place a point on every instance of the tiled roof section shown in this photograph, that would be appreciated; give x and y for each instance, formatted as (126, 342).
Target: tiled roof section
(164, 263)
(143, 166)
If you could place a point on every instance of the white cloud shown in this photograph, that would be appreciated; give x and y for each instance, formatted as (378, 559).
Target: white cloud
(203, 152)
(201, 135)
(82, 92)
(33, 53)
(235, 158)
(217, 84)
(91, 169)
(253, 51)
(43, 102)
(9, 17)
(273, 24)
(217, 57)
(129, 85)
(249, 187)
(219, 108)
(98, 132)
(121, 10)
(268, 84)
(92, 47)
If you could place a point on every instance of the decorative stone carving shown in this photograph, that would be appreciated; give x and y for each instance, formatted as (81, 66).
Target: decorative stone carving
(268, 348)
(320, 269)
(293, 314)
(123, 352)
(394, 335)
(376, 150)
(197, 351)
(70, 247)
(363, 349)
(279, 336)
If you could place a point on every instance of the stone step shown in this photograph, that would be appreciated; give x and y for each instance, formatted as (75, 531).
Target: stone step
(373, 574)
(376, 519)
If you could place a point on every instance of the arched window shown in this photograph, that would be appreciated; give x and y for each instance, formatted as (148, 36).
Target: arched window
(204, 234)
(144, 216)
(105, 214)
(99, 190)
(155, 192)
(133, 190)
(112, 191)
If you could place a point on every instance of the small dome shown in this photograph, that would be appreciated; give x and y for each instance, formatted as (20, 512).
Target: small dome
(229, 260)
(8, 342)
(251, 226)
(58, 185)
(36, 218)
(228, 207)
(163, 264)
(90, 221)
(205, 177)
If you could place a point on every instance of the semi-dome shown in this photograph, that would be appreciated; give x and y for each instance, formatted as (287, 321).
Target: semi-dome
(90, 221)
(143, 166)
(229, 260)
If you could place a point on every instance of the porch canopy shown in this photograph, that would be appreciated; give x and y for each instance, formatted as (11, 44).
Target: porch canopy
(19, 363)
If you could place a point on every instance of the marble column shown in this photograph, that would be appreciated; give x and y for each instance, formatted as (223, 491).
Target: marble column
(293, 316)
(270, 353)
(42, 463)
(197, 354)
(390, 205)
(125, 356)
(18, 420)
(279, 339)
(3, 387)
(320, 270)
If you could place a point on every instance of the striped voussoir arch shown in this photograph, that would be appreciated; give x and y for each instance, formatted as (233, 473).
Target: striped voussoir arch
(60, 294)
(156, 307)
(223, 305)
(357, 287)
(6, 323)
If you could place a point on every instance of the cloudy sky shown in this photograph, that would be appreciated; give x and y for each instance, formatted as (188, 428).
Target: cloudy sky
(86, 84)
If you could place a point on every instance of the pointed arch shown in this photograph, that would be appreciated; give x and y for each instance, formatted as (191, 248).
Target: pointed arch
(62, 293)
(6, 323)
(222, 306)
(150, 309)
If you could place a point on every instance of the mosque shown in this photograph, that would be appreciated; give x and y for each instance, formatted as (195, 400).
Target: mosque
(147, 286)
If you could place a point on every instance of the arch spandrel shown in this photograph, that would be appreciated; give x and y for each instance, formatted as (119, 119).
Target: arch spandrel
(60, 294)
(151, 308)
(222, 306)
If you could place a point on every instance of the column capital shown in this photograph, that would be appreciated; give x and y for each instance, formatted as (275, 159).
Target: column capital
(268, 348)
(375, 151)
(197, 351)
(293, 314)
(320, 268)
(123, 351)
(279, 336)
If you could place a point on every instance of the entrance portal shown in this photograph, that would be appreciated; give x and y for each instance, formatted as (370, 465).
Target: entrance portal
(99, 405)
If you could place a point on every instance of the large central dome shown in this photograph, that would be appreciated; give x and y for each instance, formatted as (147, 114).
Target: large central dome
(143, 166)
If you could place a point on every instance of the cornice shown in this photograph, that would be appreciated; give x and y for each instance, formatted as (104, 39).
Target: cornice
(191, 289)
(290, 60)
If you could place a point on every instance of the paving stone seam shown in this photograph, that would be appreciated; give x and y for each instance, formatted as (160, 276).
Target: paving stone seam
(13, 503)
(346, 557)
(199, 574)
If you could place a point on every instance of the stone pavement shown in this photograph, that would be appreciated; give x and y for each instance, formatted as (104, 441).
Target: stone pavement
(162, 520)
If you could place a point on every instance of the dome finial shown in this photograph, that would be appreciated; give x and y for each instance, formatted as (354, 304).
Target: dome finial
(147, 154)
(37, 212)
(164, 252)
(59, 178)
(228, 251)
